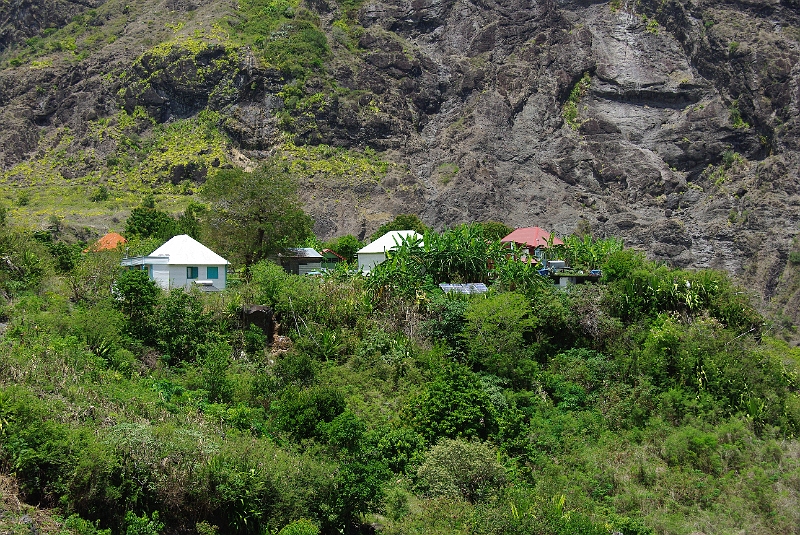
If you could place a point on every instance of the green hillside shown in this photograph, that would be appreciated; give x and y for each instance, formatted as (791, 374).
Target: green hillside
(655, 401)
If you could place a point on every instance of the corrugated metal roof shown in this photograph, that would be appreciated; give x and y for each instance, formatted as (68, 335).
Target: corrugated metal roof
(185, 250)
(389, 241)
(467, 288)
(531, 236)
(300, 252)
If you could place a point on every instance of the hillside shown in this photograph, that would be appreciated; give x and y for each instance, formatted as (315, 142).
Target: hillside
(670, 124)
(653, 401)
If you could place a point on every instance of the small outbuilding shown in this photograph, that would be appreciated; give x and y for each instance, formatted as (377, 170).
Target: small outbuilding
(374, 253)
(300, 260)
(183, 262)
(330, 258)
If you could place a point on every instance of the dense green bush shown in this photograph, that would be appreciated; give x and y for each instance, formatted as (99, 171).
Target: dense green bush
(136, 297)
(304, 413)
(456, 468)
(498, 333)
(182, 326)
(453, 405)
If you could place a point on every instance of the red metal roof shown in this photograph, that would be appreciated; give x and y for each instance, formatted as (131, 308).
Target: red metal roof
(531, 236)
(334, 253)
(109, 242)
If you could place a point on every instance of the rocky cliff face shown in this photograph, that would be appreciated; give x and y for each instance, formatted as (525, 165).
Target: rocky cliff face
(672, 124)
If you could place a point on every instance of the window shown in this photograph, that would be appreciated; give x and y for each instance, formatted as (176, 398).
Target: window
(212, 272)
(191, 272)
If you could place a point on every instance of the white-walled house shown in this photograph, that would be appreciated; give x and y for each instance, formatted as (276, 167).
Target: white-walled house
(374, 253)
(183, 262)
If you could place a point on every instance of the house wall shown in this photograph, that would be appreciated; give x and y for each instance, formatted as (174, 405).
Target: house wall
(174, 276)
(299, 266)
(160, 275)
(303, 269)
(367, 261)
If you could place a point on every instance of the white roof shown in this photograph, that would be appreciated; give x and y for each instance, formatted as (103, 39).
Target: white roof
(389, 241)
(185, 250)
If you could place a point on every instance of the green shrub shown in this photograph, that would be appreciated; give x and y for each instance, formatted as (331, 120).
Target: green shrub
(693, 448)
(456, 468)
(445, 320)
(400, 447)
(453, 405)
(304, 413)
(34, 446)
(570, 109)
(182, 326)
(215, 363)
(300, 527)
(497, 332)
(136, 297)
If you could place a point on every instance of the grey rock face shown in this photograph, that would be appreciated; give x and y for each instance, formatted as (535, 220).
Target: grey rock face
(684, 141)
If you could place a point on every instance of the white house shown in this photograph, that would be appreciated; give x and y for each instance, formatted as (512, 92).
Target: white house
(183, 262)
(373, 254)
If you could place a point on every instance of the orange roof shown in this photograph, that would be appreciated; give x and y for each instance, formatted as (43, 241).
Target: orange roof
(109, 242)
(531, 236)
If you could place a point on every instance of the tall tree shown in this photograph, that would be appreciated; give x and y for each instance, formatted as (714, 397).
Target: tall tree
(401, 222)
(253, 215)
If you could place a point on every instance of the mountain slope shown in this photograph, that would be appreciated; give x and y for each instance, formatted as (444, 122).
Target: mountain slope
(670, 124)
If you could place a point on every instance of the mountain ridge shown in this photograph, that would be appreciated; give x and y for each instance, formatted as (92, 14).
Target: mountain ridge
(670, 124)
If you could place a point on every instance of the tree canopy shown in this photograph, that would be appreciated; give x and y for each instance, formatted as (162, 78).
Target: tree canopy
(401, 222)
(254, 215)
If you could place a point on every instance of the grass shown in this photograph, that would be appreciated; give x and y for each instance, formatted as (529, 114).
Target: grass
(447, 171)
(570, 109)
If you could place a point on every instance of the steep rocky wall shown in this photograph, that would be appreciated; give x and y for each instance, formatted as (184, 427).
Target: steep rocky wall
(672, 124)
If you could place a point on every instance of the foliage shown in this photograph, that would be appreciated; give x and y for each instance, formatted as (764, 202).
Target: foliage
(495, 332)
(143, 525)
(136, 297)
(494, 230)
(462, 254)
(303, 413)
(25, 261)
(585, 252)
(182, 326)
(285, 34)
(401, 222)
(346, 246)
(737, 121)
(570, 109)
(459, 469)
(253, 215)
(147, 222)
(453, 405)
(300, 527)
(216, 362)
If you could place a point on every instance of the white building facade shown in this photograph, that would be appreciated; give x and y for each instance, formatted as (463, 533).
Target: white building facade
(183, 262)
(374, 253)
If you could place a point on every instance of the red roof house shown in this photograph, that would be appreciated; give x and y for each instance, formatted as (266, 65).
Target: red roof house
(531, 237)
(109, 242)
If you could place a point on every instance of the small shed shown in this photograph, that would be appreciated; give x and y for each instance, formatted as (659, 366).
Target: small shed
(531, 241)
(300, 260)
(374, 253)
(183, 262)
(330, 258)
